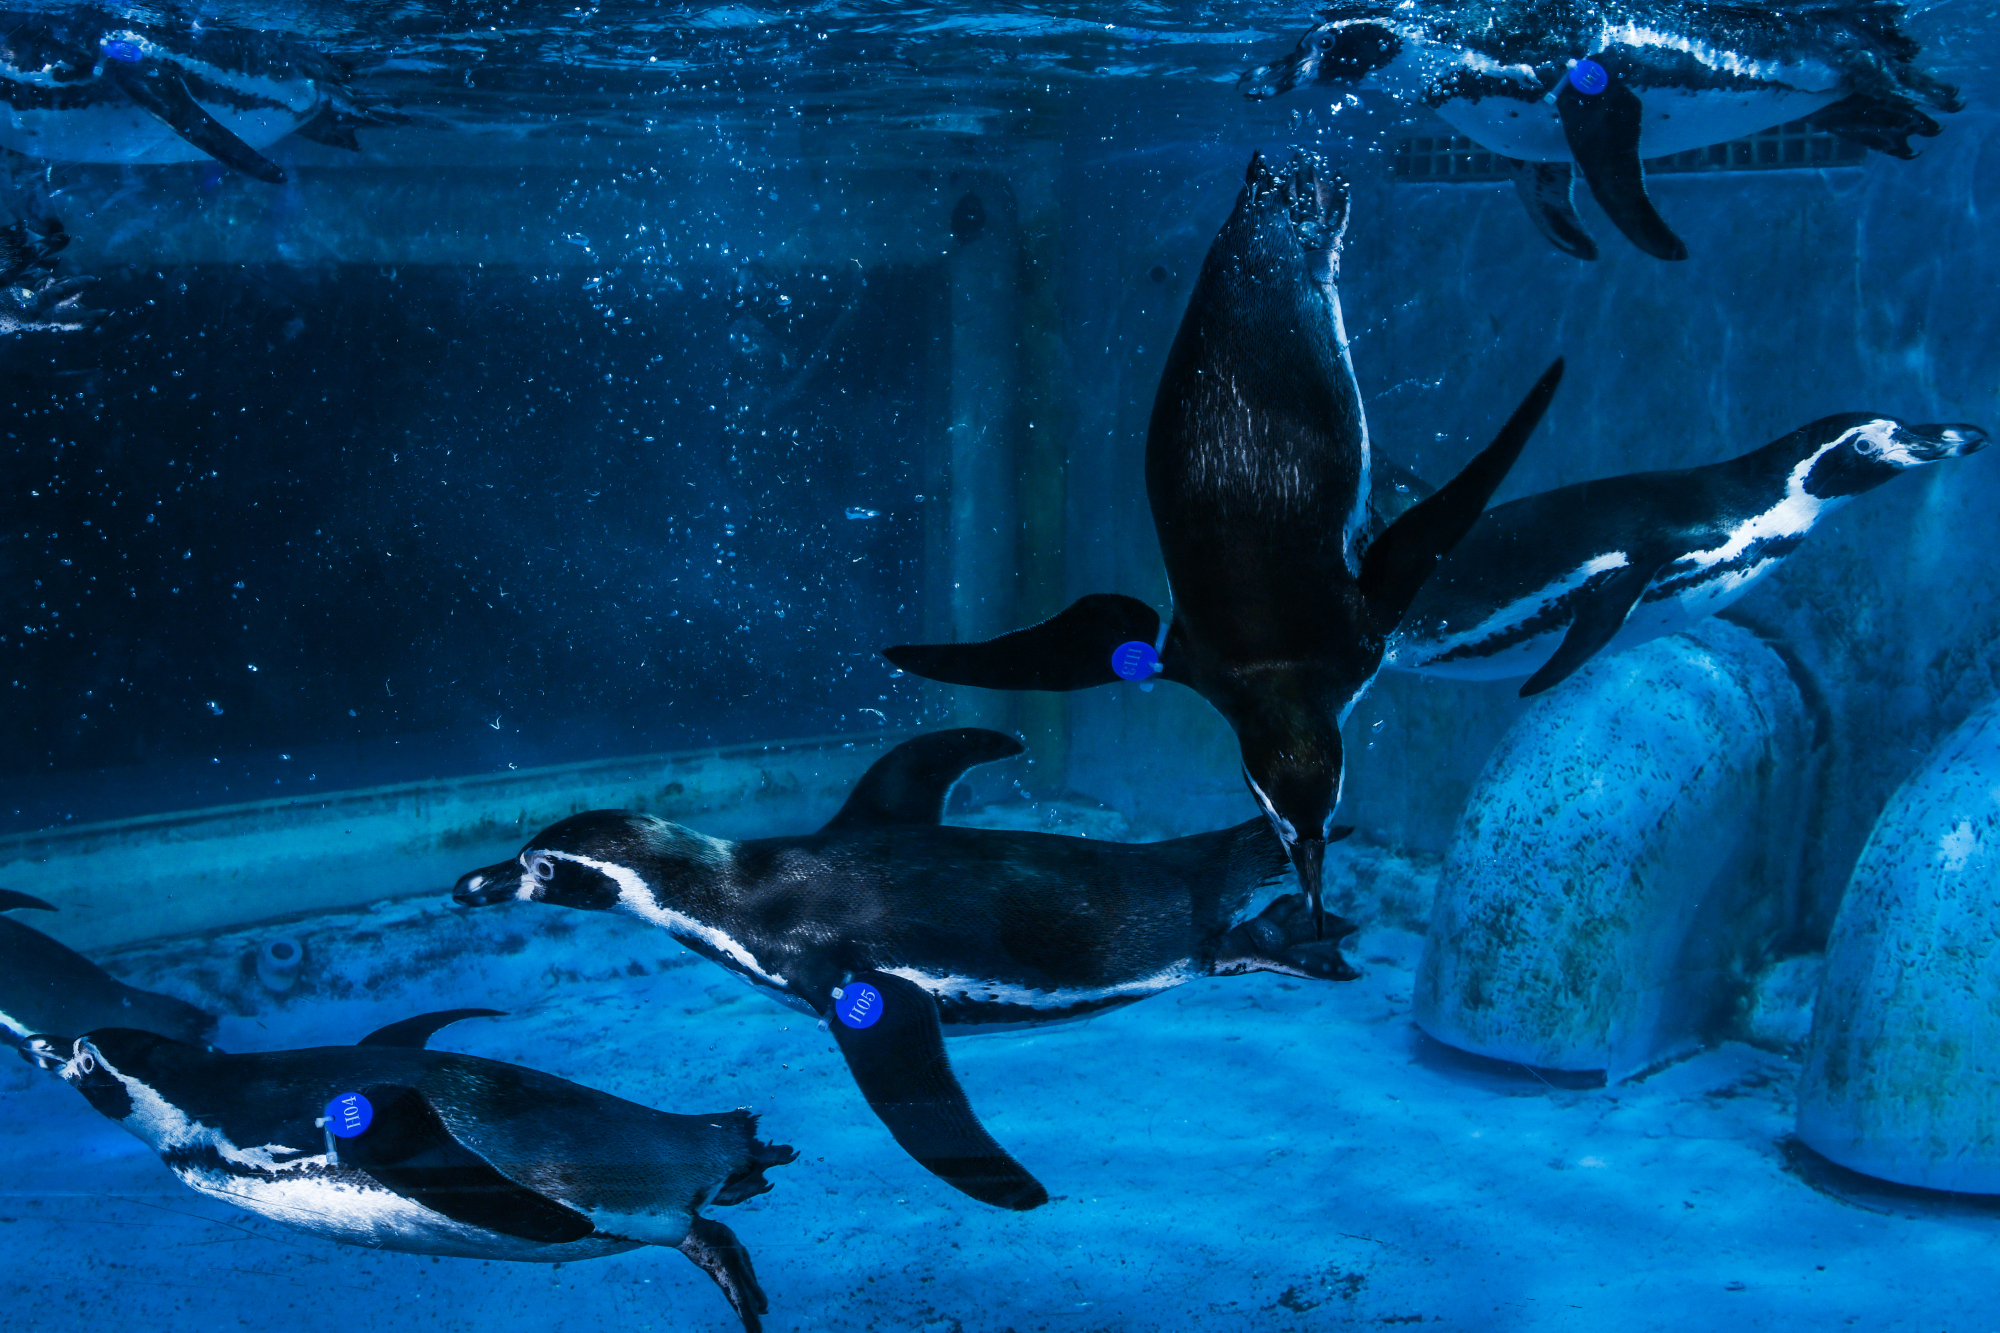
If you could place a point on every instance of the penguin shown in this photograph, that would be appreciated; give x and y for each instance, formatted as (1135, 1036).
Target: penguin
(1543, 584)
(893, 927)
(45, 986)
(1258, 467)
(92, 85)
(1601, 87)
(391, 1146)
(30, 244)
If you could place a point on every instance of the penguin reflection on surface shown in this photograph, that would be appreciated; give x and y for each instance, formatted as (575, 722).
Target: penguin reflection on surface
(1604, 86)
(894, 927)
(454, 1155)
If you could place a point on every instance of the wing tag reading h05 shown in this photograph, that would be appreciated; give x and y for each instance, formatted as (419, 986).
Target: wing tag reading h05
(1135, 660)
(348, 1115)
(858, 1005)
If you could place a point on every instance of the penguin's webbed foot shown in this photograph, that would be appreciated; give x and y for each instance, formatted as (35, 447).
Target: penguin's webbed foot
(714, 1249)
(748, 1181)
(1883, 123)
(1281, 939)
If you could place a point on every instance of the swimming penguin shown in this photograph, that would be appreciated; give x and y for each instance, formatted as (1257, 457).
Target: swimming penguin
(391, 1146)
(1604, 85)
(892, 927)
(1258, 469)
(93, 85)
(46, 986)
(1541, 585)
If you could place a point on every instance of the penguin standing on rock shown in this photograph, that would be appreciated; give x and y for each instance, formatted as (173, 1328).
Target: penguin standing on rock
(1258, 467)
(894, 928)
(391, 1146)
(1601, 85)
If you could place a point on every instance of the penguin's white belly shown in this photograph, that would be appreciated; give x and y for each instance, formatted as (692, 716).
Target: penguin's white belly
(1649, 620)
(366, 1214)
(122, 132)
(1673, 120)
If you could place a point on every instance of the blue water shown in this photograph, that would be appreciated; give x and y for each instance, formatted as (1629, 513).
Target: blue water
(583, 435)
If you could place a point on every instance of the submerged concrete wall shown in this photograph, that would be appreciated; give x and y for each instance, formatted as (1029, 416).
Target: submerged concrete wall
(171, 874)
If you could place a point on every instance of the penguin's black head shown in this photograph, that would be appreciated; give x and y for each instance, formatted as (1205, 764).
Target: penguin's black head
(1292, 765)
(104, 1066)
(1857, 451)
(1343, 51)
(611, 858)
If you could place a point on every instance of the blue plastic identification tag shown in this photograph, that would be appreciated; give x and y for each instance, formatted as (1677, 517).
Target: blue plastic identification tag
(348, 1114)
(859, 1005)
(1589, 77)
(122, 51)
(1135, 660)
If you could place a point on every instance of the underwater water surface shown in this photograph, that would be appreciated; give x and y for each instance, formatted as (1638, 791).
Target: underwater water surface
(1289, 646)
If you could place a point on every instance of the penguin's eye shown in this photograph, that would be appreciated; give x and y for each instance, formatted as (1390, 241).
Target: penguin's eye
(542, 867)
(85, 1063)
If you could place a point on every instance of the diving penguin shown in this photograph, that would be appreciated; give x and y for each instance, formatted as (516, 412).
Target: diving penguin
(1602, 86)
(894, 927)
(1542, 584)
(46, 986)
(1258, 469)
(391, 1146)
(93, 85)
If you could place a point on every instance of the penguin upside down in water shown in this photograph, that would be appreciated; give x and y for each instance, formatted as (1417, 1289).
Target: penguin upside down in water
(93, 85)
(441, 1154)
(893, 927)
(1258, 468)
(1542, 584)
(46, 986)
(1603, 86)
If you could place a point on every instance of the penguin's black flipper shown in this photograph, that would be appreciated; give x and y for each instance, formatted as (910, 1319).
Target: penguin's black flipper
(899, 1062)
(408, 1149)
(1071, 650)
(909, 784)
(1603, 133)
(11, 901)
(1548, 190)
(1600, 614)
(1398, 562)
(714, 1249)
(162, 93)
(413, 1033)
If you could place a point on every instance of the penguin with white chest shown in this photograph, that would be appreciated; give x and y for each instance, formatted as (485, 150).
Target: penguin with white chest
(1604, 86)
(387, 1145)
(1542, 584)
(895, 928)
(93, 85)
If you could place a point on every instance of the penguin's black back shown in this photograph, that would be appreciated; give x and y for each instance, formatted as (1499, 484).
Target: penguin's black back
(1038, 910)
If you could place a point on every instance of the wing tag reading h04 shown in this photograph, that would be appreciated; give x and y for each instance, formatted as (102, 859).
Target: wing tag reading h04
(348, 1115)
(858, 1005)
(1135, 660)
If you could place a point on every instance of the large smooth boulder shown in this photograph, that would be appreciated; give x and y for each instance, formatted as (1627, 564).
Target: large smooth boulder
(1626, 860)
(1902, 1077)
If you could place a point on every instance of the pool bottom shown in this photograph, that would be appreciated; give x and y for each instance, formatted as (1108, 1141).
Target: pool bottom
(1253, 1153)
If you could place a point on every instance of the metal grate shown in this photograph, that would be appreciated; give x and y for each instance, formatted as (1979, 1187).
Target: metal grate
(1797, 146)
